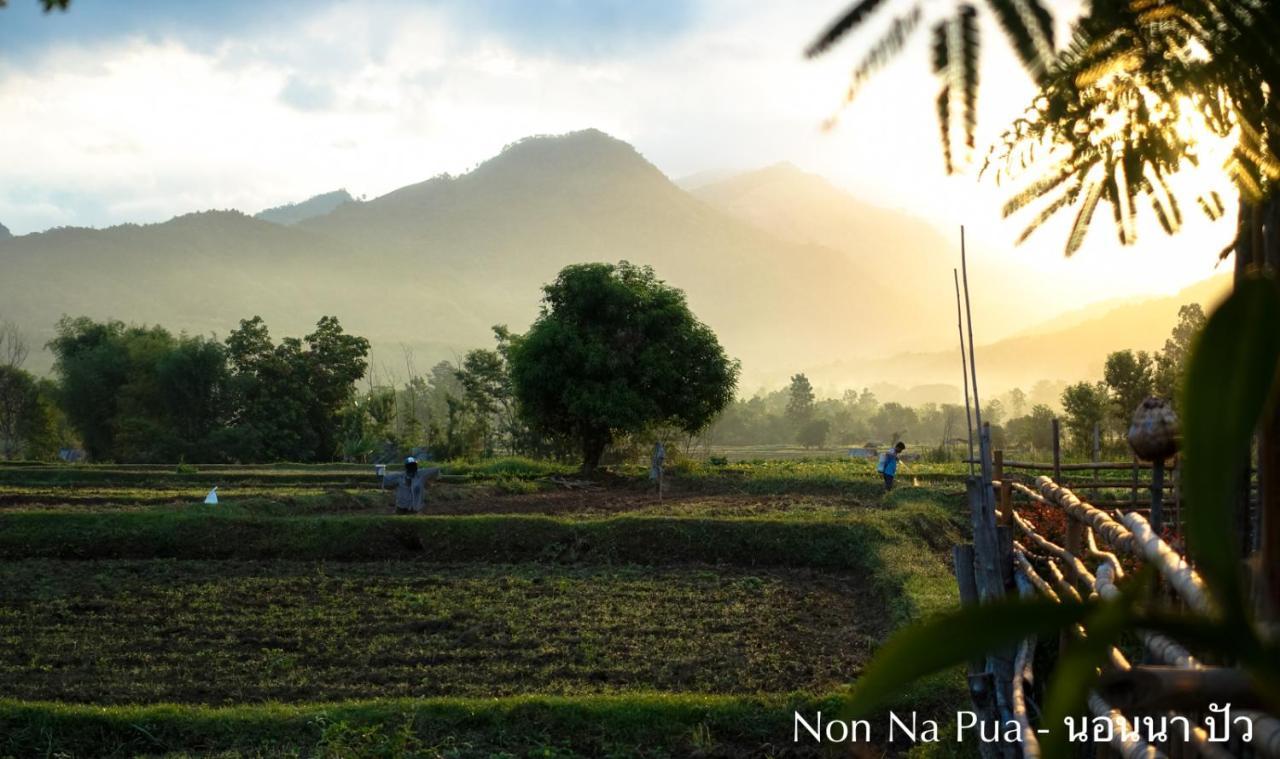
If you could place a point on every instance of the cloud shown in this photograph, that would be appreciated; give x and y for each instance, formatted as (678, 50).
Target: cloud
(138, 111)
(306, 94)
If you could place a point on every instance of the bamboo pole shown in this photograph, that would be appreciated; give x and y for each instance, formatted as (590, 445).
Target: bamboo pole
(964, 371)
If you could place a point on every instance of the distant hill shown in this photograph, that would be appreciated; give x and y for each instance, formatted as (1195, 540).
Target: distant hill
(293, 213)
(1074, 351)
(5, 233)
(911, 260)
(430, 267)
(793, 274)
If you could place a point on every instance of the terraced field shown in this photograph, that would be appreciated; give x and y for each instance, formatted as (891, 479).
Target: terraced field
(522, 617)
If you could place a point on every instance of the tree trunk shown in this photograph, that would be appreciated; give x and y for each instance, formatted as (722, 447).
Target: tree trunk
(593, 444)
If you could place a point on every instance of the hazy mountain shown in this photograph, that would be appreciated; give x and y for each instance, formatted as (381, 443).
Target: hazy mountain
(911, 260)
(793, 274)
(5, 233)
(293, 213)
(1075, 350)
(699, 179)
(432, 266)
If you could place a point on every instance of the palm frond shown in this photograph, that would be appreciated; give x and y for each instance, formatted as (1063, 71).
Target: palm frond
(1029, 28)
(944, 122)
(1079, 228)
(889, 45)
(852, 18)
(1068, 197)
(969, 47)
(1211, 204)
(1163, 202)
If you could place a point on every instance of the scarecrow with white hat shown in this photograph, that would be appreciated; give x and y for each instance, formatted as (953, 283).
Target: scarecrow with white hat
(411, 485)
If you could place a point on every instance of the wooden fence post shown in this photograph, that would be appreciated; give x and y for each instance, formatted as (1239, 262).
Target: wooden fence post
(982, 685)
(1057, 451)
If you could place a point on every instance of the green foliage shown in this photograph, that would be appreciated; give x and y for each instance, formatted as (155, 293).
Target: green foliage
(1085, 405)
(615, 350)
(1232, 376)
(289, 396)
(461, 728)
(27, 419)
(814, 433)
(1034, 430)
(141, 394)
(1171, 363)
(799, 399)
(1130, 378)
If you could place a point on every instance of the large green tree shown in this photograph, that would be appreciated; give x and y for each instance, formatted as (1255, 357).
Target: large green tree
(1085, 405)
(289, 397)
(1130, 378)
(1171, 363)
(614, 351)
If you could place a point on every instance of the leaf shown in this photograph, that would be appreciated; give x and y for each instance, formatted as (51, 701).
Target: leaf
(944, 122)
(894, 39)
(853, 17)
(952, 639)
(1081, 225)
(1231, 373)
(969, 45)
(941, 47)
(1029, 28)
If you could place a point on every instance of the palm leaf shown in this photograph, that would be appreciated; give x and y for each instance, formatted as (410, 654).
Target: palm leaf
(969, 47)
(852, 18)
(944, 122)
(1065, 199)
(889, 45)
(1080, 227)
(1029, 28)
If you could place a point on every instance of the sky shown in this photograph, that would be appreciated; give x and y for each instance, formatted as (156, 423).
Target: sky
(122, 111)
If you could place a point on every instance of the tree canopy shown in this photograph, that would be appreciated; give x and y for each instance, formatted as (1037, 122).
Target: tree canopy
(139, 393)
(615, 350)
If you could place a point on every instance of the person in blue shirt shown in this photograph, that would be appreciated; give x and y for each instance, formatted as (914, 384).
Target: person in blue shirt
(889, 464)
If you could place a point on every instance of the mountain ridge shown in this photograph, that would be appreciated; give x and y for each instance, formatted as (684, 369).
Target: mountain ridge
(431, 266)
(295, 213)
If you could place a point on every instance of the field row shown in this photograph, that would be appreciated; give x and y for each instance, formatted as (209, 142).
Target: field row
(850, 543)
(243, 632)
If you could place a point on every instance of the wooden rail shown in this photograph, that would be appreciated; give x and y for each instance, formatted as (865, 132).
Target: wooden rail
(1089, 566)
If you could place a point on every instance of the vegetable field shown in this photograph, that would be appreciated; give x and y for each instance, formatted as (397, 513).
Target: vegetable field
(528, 614)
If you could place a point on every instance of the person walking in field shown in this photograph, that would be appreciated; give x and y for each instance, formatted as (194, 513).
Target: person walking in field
(888, 465)
(411, 485)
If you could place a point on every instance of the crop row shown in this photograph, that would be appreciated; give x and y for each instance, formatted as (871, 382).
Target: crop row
(242, 632)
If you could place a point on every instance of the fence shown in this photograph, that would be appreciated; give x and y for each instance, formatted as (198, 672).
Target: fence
(1149, 709)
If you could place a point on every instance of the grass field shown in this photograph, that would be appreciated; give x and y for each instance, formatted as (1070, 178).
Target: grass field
(298, 618)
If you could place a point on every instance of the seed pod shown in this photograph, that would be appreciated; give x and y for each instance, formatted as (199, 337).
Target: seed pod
(1154, 433)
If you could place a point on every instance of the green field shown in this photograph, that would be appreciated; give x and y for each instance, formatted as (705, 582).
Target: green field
(519, 618)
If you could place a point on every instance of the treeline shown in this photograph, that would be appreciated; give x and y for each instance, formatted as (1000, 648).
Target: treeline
(614, 357)
(142, 394)
(794, 416)
(1106, 406)
(939, 431)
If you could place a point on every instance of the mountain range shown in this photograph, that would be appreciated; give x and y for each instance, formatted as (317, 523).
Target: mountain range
(793, 274)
